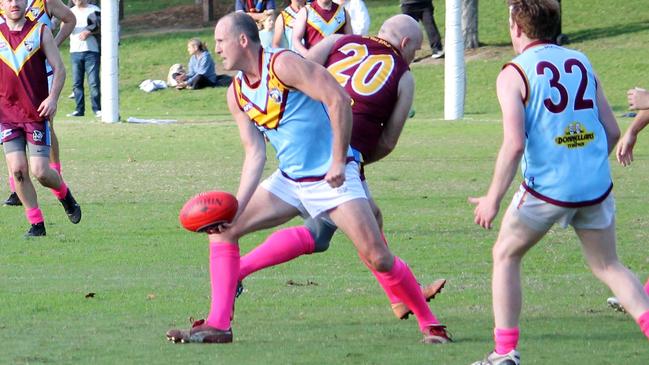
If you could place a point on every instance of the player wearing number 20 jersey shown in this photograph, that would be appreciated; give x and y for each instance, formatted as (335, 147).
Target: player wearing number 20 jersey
(369, 68)
(565, 160)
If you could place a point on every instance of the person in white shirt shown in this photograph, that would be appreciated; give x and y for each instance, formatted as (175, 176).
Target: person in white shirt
(85, 55)
(360, 17)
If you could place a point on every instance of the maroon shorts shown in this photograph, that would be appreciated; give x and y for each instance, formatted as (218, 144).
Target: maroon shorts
(35, 133)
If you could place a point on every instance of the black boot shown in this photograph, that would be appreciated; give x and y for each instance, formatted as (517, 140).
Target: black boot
(72, 209)
(36, 230)
(13, 200)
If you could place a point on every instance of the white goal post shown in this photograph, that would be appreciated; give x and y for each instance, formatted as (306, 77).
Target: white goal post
(454, 74)
(109, 61)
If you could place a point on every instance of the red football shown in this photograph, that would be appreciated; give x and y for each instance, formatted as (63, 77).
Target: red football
(206, 209)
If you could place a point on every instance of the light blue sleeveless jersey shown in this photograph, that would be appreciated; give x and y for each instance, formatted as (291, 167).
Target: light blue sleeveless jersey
(566, 150)
(297, 126)
(288, 17)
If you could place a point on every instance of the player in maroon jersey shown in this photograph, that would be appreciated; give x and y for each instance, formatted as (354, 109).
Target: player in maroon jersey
(317, 20)
(46, 11)
(26, 105)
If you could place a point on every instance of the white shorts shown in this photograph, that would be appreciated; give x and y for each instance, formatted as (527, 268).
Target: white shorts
(315, 198)
(541, 215)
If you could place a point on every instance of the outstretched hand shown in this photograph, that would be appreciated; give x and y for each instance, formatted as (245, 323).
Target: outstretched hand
(638, 98)
(217, 228)
(624, 150)
(485, 211)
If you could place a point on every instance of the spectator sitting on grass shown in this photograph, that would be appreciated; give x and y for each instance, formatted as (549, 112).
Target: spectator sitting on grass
(201, 71)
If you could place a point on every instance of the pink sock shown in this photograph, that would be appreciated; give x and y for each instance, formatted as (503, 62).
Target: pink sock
(646, 287)
(506, 339)
(224, 272)
(393, 298)
(643, 322)
(281, 246)
(61, 192)
(56, 166)
(34, 215)
(404, 285)
(12, 184)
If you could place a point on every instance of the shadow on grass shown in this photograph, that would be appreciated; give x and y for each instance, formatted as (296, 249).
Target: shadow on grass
(594, 33)
(610, 31)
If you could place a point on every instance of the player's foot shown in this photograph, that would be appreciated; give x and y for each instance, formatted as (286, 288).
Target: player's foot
(510, 358)
(13, 200)
(72, 209)
(36, 230)
(614, 303)
(402, 311)
(199, 333)
(437, 334)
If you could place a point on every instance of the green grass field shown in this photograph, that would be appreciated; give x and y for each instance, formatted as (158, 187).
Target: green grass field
(148, 274)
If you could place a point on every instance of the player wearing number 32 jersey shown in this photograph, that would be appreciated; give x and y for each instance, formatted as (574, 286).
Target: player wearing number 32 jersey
(558, 124)
(565, 138)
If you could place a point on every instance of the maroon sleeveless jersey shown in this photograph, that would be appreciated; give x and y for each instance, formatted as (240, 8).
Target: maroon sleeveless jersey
(369, 69)
(321, 23)
(23, 79)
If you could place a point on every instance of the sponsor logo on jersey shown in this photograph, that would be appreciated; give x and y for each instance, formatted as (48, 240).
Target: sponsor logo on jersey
(34, 11)
(29, 45)
(3, 45)
(37, 136)
(247, 107)
(575, 136)
(6, 133)
(276, 95)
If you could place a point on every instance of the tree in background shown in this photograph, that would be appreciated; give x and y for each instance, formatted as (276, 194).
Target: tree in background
(470, 24)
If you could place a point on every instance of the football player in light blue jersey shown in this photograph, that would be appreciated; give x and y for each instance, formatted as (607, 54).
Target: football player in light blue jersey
(557, 119)
(283, 36)
(271, 83)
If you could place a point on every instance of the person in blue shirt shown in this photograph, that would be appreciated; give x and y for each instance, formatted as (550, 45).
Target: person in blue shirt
(257, 9)
(201, 71)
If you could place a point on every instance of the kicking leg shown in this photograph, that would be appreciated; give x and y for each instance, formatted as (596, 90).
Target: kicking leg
(263, 211)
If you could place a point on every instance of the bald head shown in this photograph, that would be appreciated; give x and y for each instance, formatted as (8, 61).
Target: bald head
(239, 23)
(402, 31)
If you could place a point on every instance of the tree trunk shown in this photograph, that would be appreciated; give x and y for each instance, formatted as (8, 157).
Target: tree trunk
(208, 10)
(121, 9)
(470, 23)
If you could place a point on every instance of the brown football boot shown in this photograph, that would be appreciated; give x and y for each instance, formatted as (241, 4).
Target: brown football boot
(199, 333)
(402, 311)
(436, 334)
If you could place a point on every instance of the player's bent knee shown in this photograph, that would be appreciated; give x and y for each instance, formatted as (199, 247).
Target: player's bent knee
(380, 261)
(321, 231)
(19, 172)
(503, 252)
